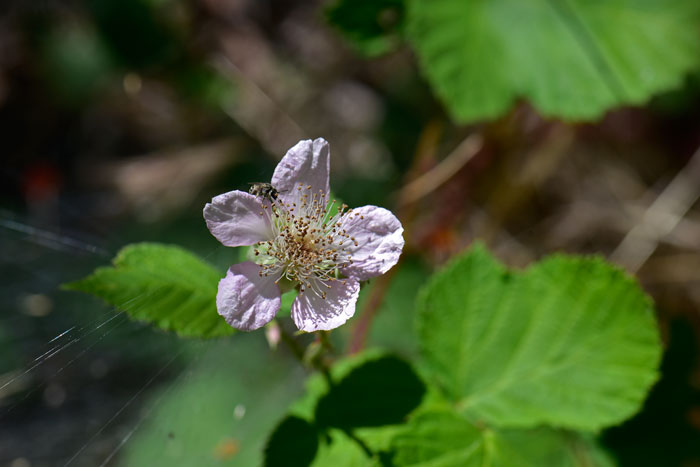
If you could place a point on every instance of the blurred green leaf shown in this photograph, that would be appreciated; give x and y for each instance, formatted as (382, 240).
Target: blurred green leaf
(286, 302)
(371, 26)
(205, 85)
(293, 444)
(380, 392)
(75, 62)
(445, 439)
(161, 284)
(134, 33)
(573, 59)
(219, 411)
(393, 326)
(570, 342)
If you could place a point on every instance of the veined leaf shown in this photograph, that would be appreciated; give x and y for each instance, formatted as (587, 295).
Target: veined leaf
(443, 439)
(161, 284)
(569, 342)
(573, 59)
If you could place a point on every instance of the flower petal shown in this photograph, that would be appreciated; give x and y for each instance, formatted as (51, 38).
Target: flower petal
(379, 237)
(246, 300)
(235, 219)
(308, 164)
(313, 313)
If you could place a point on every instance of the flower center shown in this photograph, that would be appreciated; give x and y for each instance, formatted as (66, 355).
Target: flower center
(308, 244)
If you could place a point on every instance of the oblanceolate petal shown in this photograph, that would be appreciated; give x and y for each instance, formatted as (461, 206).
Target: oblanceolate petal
(313, 313)
(307, 164)
(246, 300)
(236, 219)
(379, 237)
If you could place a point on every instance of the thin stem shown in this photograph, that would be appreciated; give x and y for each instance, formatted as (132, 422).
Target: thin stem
(317, 362)
(324, 338)
(363, 446)
(292, 343)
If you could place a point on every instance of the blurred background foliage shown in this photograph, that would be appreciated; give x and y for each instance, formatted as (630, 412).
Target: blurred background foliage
(538, 127)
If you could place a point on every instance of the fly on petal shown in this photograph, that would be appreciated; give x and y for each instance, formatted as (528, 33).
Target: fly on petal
(301, 239)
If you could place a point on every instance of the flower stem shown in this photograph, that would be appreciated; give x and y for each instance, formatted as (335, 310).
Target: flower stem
(320, 364)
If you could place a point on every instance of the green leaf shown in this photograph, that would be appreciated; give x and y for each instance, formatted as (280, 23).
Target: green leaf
(393, 325)
(443, 439)
(75, 63)
(573, 59)
(293, 444)
(371, 26)
(339, 450)
(286, 302)
(380, 392)
(316, 385)
(218, 412)
(570, 342)
(163, 285)
(323, 406)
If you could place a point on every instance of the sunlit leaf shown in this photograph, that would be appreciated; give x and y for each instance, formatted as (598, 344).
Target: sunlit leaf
(161, 284)
(444, 439)
(339, 450)
(572, 59)
(570, 342)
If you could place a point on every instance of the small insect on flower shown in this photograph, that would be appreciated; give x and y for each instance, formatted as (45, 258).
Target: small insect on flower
(264, 190)
(303, 240)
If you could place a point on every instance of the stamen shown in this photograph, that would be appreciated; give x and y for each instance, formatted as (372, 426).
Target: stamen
(308, 244)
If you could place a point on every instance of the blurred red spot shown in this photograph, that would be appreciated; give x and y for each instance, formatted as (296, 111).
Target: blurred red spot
(41, 182)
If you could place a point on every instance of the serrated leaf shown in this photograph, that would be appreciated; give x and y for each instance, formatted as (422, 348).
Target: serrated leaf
(570, 342)
(573, 59)
(380, 392)
(371, 26)
(293, 444)
(443, 439)
(161, 284)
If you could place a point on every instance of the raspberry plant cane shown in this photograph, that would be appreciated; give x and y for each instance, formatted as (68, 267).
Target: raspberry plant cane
(300, 240)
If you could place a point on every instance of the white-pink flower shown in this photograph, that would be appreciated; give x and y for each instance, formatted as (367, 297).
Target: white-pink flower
(299, 242)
